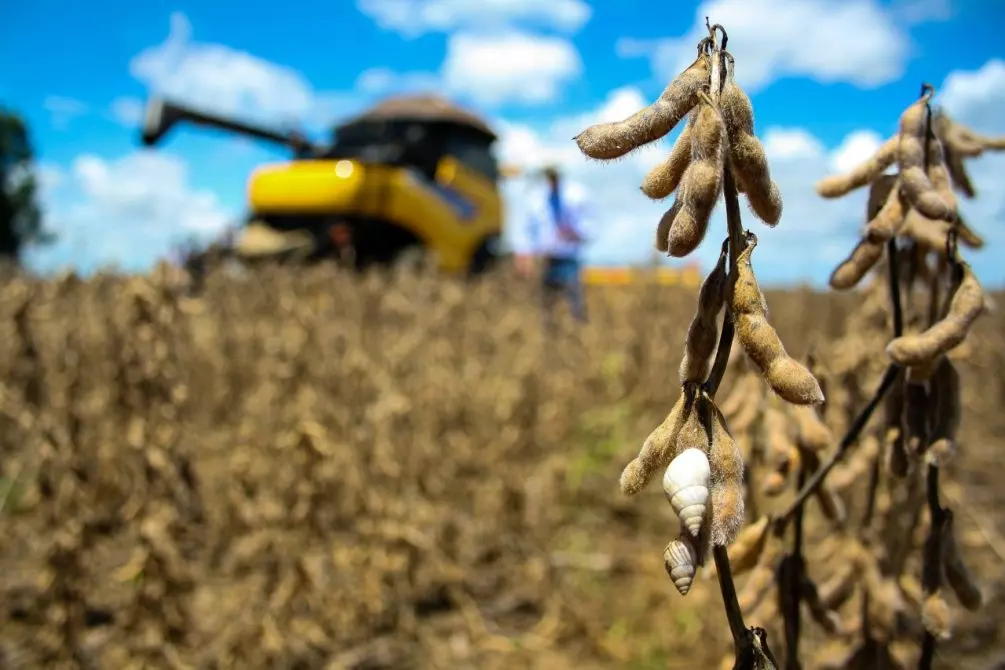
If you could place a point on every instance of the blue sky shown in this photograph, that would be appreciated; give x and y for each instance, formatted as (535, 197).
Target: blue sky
(828, 79)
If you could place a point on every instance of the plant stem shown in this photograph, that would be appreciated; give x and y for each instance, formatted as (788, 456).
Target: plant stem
(850, 438)
(737, 243)
(931, 574)
(858, 425)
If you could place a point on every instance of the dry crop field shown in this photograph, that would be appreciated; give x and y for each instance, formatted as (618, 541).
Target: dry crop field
(300, 468)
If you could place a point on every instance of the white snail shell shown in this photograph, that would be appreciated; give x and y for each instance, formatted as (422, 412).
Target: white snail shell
(685, 484)
(680, 560)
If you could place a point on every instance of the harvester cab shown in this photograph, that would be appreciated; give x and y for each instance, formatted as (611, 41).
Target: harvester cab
(412, 173)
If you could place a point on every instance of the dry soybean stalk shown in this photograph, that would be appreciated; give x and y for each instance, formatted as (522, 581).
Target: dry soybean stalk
(717, 155)
(913, 214)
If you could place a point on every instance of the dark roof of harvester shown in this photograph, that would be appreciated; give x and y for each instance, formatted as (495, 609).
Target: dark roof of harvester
(421, 108)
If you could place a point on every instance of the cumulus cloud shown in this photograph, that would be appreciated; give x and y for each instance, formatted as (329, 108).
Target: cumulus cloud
(126, 212)
(224, 80)
(412, 18)
(849, 41)
(511, 67)
(976, 97)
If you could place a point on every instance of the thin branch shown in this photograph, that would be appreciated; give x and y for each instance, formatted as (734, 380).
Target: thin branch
(850, 438)
(931, 574)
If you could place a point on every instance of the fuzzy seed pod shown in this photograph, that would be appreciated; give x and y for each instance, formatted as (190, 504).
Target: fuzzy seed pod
(935, 616)
(855, 465)
(606, 141)
(918, 189)
(748, 546)
(836, 591)
(762, 577)
(967, 304)
(811, 432)
(917, 416)
(786, 377)
(658, 450)
(664, 179)
(747, 158)
(686, 222)
(890, 218)
(958, 576)
(703, 333)
(743, 405)
(727, 483)
(967, 235)
(954, 137)
(863, 257)
(864, 173)
(929, 234)
(681, 562)
(958, 172)
(948, 412)
(685, 484)
(824, 617)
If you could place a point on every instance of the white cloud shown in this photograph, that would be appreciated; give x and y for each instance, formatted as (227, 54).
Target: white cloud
(412, 18)
(788, 144)
(976, 97)
(510, 67)
(850, 41)
(224, 80)
(63, 110)
(127, 211)
(856, 148)
(380, 80)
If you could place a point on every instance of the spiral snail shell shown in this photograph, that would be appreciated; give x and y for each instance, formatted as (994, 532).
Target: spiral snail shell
(685, 484)
(680, 560)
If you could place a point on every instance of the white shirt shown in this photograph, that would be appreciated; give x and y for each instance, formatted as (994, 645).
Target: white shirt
(539, 233)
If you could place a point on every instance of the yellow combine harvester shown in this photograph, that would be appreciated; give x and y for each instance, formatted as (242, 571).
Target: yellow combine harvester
(413, 173)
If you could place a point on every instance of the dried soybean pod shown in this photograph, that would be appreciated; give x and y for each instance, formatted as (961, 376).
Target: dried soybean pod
(863, 258)
(748, 546)
(703, 333)
(958, 576)
(958, 173)
(747, 157)
(890, 218)
(606, 141)
(701, 183)
(929, 234)
(664, 179)
(786, 376)
(811, 432)
(918, 189)
(659, 448)
(935, 616)
(825, 617)
(838, 185)
(966, 234)
(946, 334)
(762, 577)
(948, 411)
(953, 137)
(840, 586)
(726, 483)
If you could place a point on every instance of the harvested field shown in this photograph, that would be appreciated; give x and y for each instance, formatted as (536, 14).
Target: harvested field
(306, 469)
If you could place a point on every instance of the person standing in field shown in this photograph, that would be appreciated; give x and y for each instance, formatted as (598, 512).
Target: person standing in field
(553, 236)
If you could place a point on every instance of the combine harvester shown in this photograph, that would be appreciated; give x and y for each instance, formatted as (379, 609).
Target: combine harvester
(413, 177)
